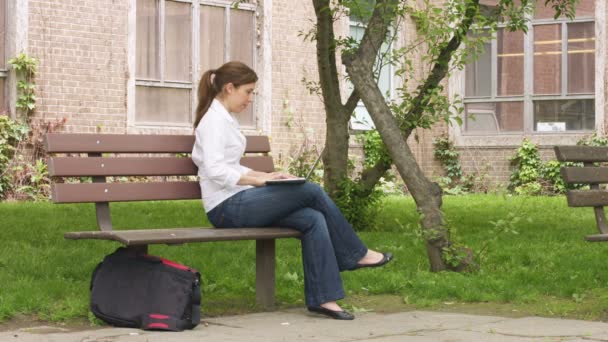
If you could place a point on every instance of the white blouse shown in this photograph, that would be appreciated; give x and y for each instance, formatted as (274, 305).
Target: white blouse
(217, 152)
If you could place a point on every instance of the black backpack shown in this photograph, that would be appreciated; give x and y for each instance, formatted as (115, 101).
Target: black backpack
(137, 290)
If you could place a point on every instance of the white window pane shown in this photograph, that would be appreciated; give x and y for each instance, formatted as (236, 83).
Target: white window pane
(584, 9)
(547, 59)
(494, 117)
(510, 63)
(147, 48)
(384, 80)
(356, 32)
(167, 105)
(178, 41)
(571, 115)
(242, 36)
(213, 37)
(2, 33)
(382, 62)
(242, 30)
(478, 73)
(581, 58)
(361, 119)
(3, 104)
(384, 77)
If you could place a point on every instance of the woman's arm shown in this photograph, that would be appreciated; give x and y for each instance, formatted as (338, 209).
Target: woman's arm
(257, 178)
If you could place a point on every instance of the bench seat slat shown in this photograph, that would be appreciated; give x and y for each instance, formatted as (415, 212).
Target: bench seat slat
(597, 237)
(144, 143)
(585, 175)
(139, 166)
(581, 153)
(587, 198)
(184, 235)
(124, 192)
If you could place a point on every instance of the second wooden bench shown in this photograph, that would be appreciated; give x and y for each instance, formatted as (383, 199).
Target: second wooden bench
(591, 173)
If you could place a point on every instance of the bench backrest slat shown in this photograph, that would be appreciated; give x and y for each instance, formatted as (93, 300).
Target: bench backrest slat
(139, 166)
(581, 153)
(120, 143)
(129, 166)
(587, 198)
(154, 156)
(584, 175)
(124, 192)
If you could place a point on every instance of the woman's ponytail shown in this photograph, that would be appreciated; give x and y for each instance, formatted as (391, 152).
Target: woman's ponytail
(206, 94)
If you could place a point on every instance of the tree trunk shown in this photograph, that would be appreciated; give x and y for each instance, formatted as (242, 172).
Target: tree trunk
(335, 155)
(427, 195)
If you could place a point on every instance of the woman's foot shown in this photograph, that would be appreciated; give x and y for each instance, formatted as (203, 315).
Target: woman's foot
(374, 259)
(333, 310)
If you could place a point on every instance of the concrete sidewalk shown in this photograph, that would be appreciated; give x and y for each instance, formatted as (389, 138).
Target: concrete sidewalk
(299, 325)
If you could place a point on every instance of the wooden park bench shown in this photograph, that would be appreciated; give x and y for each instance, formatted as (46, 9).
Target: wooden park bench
(103, 155)
(590, 173)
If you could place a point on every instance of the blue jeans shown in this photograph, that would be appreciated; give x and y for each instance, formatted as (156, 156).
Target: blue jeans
(329, 243)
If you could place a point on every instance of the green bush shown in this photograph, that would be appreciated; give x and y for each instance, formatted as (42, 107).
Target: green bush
(455, 181)
(359, 208)
(11, 134)
(531, 176)
(525, 178)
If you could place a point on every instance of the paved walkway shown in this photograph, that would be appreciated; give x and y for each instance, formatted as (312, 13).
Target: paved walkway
(298, 325)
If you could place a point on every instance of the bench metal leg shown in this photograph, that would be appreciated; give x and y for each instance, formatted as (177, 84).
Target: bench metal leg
(265, 272)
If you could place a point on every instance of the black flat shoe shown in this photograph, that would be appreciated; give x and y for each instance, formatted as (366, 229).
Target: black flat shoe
(341, 315)
(385, 259)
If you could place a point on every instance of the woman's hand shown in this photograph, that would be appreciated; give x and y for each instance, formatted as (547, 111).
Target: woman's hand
(259, 178)
(281, 175)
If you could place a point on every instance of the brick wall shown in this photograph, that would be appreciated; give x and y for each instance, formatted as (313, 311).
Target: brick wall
(298, 118)
(81, 46)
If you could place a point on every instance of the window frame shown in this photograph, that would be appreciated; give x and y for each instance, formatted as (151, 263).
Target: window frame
(161, 82)
(137, 125)
(528, 97)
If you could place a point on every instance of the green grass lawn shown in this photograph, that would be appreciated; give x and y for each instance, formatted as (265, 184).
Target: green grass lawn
(547, 269)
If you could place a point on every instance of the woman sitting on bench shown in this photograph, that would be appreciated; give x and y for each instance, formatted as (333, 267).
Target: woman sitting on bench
(235, 196)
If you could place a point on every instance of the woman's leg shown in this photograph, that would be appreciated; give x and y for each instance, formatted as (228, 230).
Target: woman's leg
(322, 281)
(267, 206)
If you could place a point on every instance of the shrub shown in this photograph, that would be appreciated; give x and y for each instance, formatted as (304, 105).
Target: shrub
(531, 176)
(455, 181)
(12, 133)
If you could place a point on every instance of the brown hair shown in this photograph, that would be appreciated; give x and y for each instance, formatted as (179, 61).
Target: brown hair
(236, 73)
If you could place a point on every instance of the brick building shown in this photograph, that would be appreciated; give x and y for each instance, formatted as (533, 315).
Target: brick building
(132, 66)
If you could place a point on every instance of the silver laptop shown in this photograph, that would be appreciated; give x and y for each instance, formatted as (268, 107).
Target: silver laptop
(298, 180)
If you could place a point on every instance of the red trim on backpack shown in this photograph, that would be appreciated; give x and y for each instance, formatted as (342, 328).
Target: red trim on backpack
(158, 325)
(158, 316)
(175, 265)
(171, 263)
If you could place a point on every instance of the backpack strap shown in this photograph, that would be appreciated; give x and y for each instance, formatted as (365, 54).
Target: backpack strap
(196, 303)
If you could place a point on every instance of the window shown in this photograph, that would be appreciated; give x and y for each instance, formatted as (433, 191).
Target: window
(3, 69)
(228, 34)
(361, 119)
(543, 81)
(167, 66)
